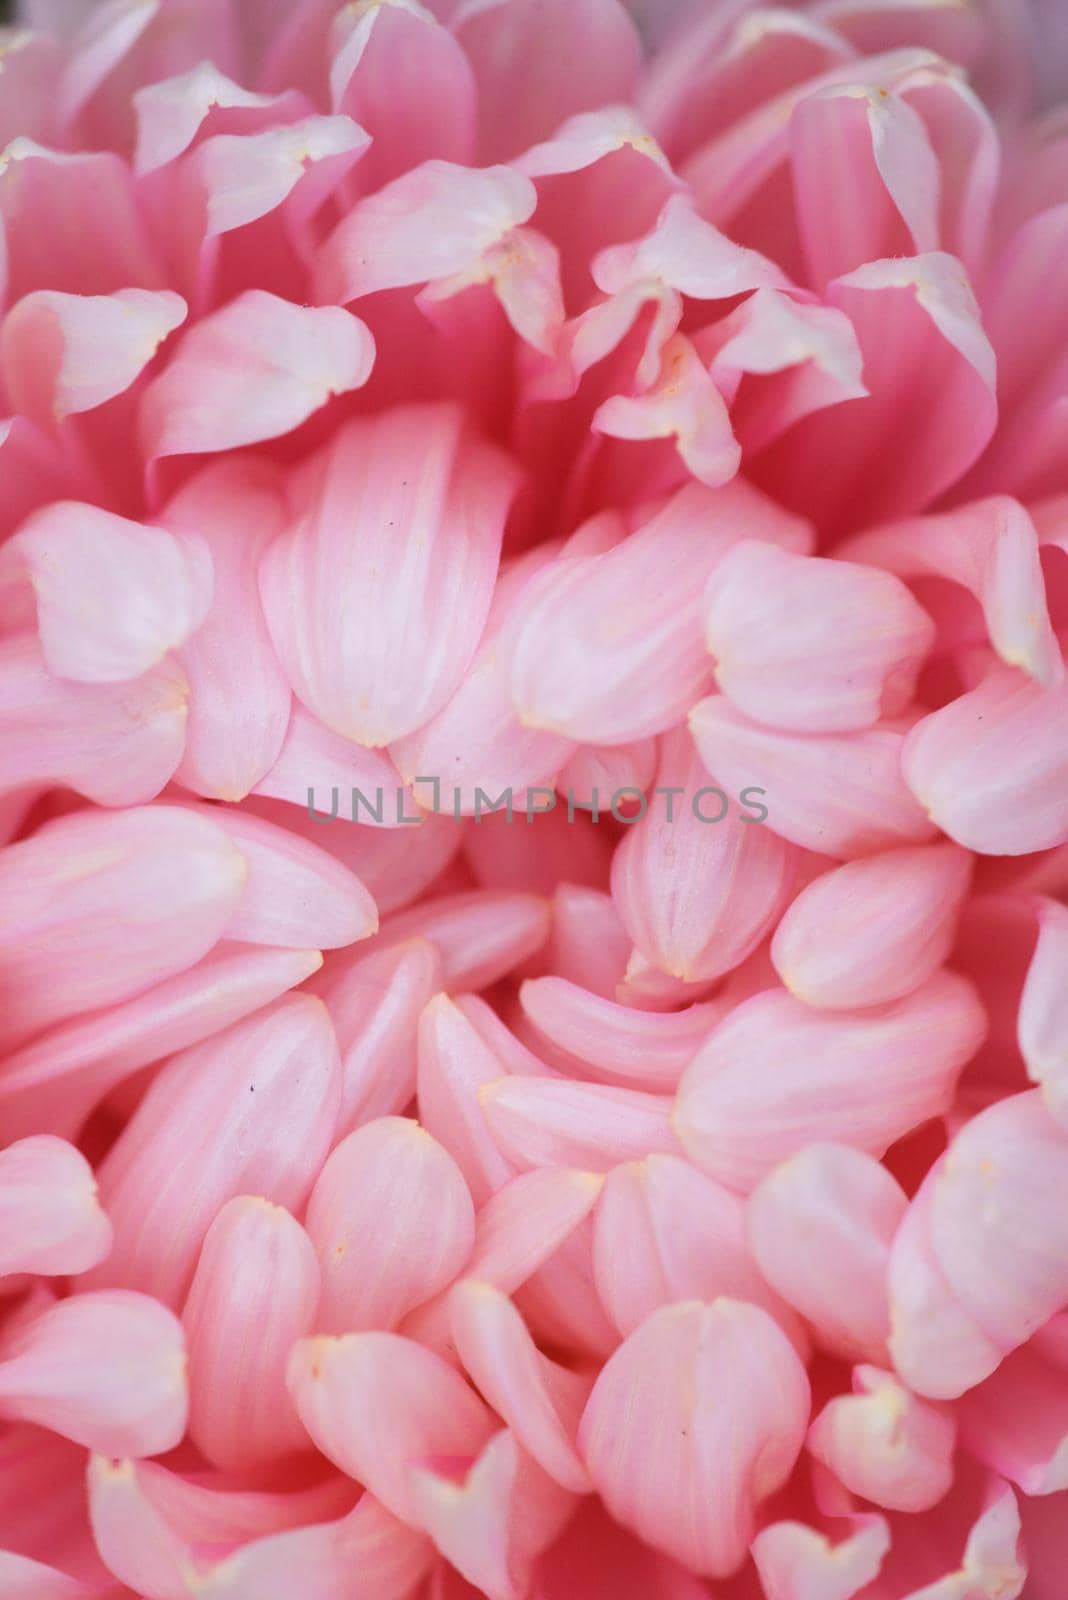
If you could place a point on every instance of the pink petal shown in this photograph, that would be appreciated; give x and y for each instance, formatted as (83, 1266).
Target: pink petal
(998, 1218)
(598, 1038)
(1017, 1420)
(469, 1521)
(572, 673)
(820, 1227)
(375, 1007)
(684, 1473)
(527, 84)
(392, 1222)
(775, 1076)
(796, 1562)
(817, 646)
(838, 794)
(872, 930)
(297, 894)
(552, 1122)
(253, 1295)
(396, 622)
(526, 1221)
(480, 935)
(62, 949)
(990, 767)
(696, 901)
(63, 353)
(170, 113)
(539, 1402)
(937, 1346)
(454, 1064)
(384, 58)
(113, 596)
(106, 1370)
(684, 405)
(255, 369)
(59, 1077)
(990, 548)
(239, 700)
(588, 945)
(117, 744)
(1042, 1023)
(52, 1221)
(524, 271)
(245, 176)
(664, 1232)
(368, 787)
(250, 1111)
(884, 1444)
(379, 1405)
(432, 222)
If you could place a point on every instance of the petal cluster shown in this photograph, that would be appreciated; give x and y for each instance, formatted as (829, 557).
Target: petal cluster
(533, 800)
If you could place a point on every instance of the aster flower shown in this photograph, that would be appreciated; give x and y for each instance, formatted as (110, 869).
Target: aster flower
(534, 800)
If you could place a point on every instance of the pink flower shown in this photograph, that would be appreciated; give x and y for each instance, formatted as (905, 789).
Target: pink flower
(534, 800)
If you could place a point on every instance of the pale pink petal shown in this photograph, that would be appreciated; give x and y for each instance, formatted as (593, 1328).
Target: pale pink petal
(807, 355)
(135, 1538)
(872, 930)
(665, 1232)
(106, 1370)
(775, 1076)
(992, 1567)
(588, 945)
(320, 1561)
(245, 176)
(454, 1064)
(375, 1006)
(476, 750)
(253, 1295)
(884, 1444)
(433, 222)
(170, 113)
(392, 1223)
(50, 1217)
(812, 645)
(990, 548)
(687, 254)
(696, 900)
(324, 776)
(539, 1402)
(524, 273)
(379, 1406)
(937, 1346)
(598, 1038)
(297, 894)
(251, 1111)
(55, 1080)
(552, 1122)
(255, 369)
(25, 1579)
(1043, 1021)
(682, 1469)
(536, 65)
(62, 948)
(469, 1520)
(990, 768)
(797, 1562)
(522, 1225)
(375, 632)
(239, 700)
(998, 1218)
(61, 354)
(608, 647)
(480, 935)
(820, 1227)
(684, 405)
(116, 744)
(838, 794)
(113, 596)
